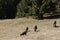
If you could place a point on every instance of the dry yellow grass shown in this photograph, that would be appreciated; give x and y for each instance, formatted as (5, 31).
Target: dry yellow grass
(12, 28)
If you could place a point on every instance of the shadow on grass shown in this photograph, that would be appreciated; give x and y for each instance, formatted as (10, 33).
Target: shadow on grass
(52, 17)
(57, 26)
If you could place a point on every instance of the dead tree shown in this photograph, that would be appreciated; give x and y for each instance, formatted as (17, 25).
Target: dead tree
(25, 32)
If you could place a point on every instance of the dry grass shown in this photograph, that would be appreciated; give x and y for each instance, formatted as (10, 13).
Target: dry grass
(12, 28)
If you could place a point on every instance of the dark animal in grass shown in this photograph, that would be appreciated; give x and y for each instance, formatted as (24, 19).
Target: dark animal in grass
(55, 22)
(25, 32)
(26, 28)
(35, 28)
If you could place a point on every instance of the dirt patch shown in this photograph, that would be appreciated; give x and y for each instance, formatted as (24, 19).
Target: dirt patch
(12, 28)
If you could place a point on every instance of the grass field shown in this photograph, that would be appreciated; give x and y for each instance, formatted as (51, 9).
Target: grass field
(10, 29)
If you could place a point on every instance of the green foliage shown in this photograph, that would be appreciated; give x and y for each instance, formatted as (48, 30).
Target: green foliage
(36, 7)
(24, 8)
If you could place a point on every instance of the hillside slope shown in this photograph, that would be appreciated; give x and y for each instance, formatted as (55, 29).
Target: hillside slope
(12, 28)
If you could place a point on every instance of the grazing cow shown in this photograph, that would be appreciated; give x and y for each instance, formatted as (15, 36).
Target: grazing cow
(25, 32)
(35, 28)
